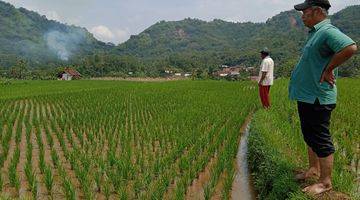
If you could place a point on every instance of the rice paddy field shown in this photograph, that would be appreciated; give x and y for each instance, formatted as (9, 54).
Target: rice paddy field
(156, 140)
(120, 140)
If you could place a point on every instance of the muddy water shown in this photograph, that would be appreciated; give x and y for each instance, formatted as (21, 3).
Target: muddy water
(242, 188)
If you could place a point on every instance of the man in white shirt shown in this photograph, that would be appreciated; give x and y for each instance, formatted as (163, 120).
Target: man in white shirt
(266, 77)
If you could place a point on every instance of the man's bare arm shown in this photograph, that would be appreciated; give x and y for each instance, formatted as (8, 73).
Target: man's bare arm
(263, 75)
(338, 59)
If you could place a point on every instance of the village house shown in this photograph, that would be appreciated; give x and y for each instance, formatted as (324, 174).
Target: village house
(187, 74)
(182, 74)
(69, 74)
(229, 71)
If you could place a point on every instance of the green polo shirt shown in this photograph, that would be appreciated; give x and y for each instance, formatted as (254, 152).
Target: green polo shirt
(324, 41)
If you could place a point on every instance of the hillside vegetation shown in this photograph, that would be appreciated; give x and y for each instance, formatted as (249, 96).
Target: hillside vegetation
(37, 46)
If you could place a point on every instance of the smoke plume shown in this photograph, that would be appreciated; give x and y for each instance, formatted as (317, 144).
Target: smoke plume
(64, 44)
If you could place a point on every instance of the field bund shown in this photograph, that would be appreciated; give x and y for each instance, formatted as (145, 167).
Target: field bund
(277, 149)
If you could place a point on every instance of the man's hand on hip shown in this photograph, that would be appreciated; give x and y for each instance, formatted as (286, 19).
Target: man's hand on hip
(338, 59)
(328, 76)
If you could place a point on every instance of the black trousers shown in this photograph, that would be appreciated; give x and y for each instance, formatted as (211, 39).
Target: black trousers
(315, 123)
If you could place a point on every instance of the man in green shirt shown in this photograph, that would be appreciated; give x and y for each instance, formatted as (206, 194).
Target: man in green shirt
(313, 86)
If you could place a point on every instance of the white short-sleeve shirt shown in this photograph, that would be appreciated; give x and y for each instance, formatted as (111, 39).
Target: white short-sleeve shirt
(267, 65)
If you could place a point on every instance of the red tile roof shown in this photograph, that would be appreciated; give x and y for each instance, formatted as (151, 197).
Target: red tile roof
(71, 71)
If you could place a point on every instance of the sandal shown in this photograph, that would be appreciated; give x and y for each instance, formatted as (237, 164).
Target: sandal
(316, 189)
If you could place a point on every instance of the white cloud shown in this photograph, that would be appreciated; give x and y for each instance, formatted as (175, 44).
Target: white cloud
(53, 15)
(106, 34)
(122, 35)
(103, 33)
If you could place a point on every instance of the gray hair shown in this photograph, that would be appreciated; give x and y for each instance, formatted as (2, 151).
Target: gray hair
(323, 10)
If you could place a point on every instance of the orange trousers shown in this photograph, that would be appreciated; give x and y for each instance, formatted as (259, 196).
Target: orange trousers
(264, 91)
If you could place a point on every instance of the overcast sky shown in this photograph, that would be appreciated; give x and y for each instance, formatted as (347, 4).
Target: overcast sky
(115, 20)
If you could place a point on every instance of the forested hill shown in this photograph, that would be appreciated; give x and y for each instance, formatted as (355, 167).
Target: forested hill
(193, 36)
(28, 35)
(186, 45)
(232, 43)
